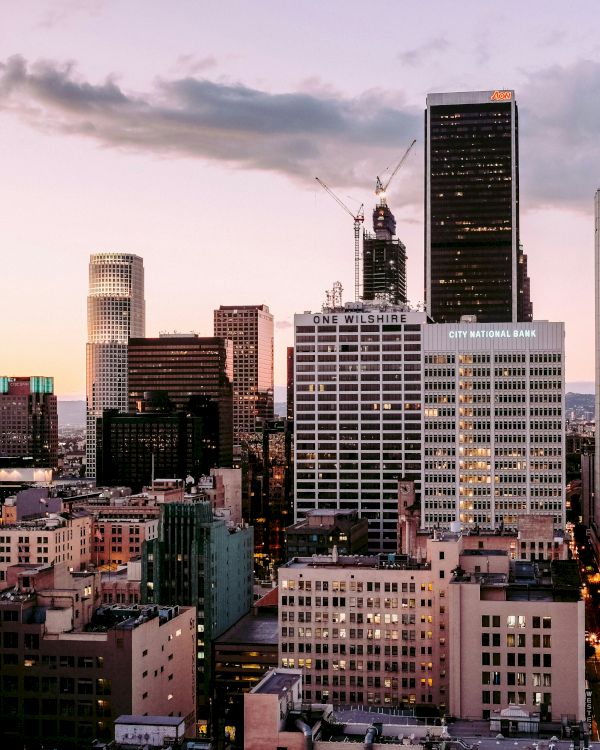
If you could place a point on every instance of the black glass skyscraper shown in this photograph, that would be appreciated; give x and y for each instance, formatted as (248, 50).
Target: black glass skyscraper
(474, 264)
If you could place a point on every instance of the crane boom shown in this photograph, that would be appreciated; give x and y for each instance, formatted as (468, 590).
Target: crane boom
(380, 188)
(358, 218)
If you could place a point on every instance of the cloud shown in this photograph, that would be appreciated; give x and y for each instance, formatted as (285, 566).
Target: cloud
(192, 65)
(62, 10)
(283, 324)
(559, 112)
(299, 134)
(314, 131)
(419, 55)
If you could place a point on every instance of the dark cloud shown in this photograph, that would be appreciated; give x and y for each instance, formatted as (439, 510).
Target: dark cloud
(346, 141)
(299, 134)
(419, 55)
(559, 116)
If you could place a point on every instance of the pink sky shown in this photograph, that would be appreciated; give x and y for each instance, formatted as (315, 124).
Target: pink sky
(191, 134)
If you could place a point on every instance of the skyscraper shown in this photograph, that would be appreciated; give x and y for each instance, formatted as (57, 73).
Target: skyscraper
(28, 421)
(195, 373)
(357, 412)
(250, 328)
(384, 258)
(474, 264)
(596, 513)
(116, 312)
(494, 424)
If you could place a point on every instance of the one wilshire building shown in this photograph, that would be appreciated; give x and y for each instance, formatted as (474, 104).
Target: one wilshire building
(474, 264)
(357, 411)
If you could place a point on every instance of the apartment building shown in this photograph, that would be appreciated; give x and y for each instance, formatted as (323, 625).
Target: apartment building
(53, 538)
(466, 629)
(70, 668)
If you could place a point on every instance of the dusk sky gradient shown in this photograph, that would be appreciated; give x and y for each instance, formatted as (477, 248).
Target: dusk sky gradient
(190, 133)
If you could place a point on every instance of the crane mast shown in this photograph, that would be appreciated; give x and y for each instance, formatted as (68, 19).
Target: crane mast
(358, 219)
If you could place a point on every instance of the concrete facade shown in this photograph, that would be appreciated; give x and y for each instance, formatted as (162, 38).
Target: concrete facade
(494, 423)
(54, 538)
(357, 412)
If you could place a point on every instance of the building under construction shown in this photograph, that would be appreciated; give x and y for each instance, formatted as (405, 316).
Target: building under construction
(384, 259)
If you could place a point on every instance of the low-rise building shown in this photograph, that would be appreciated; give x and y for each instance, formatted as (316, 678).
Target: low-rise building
(51, 538)
(242, 656)
(517, 639)
(396, 631)
(69, 668)
(322, 530)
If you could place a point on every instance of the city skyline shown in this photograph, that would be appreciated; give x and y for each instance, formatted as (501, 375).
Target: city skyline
(95, 151)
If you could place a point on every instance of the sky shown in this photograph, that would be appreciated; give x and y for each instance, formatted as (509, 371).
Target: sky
(190, 133)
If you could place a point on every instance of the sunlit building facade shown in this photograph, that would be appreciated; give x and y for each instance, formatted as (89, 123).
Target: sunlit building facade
(115, 313)
(250, 329)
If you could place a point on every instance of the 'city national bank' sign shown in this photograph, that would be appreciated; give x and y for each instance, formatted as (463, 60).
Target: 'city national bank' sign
(504, 333)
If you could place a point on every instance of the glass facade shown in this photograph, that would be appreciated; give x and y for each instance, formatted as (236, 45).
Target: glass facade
(474, 263)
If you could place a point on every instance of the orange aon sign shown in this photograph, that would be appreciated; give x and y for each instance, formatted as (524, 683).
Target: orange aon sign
(501, 96)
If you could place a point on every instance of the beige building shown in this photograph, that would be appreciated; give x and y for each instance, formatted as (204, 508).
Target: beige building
(391, 630)
(368, 630)
(53, 538)
(517, 639)
(275, 717)
(69, 668)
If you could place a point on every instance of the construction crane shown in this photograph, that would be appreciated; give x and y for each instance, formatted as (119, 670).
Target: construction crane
(380, 188)
(358, 219)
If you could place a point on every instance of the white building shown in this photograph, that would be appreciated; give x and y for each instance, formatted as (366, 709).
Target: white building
(357, 411)
(115, 313)
(494, 423)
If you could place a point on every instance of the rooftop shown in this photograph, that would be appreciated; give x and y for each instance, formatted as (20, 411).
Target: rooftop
(163, 721)
(277, 683)
(253, 629)
(374, 562)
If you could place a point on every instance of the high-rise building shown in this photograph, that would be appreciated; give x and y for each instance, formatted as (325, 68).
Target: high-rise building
(193, 372)
(290, 383)
(474, 264)
(384, 259)
(494, 423)
(131, 449)
(115, 313)
(28, 421)
(198, 560)
(357, 412)
(250, 328)
(597, 363)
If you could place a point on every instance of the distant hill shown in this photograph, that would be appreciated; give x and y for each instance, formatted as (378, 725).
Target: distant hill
(580, 402)
(71, 413)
